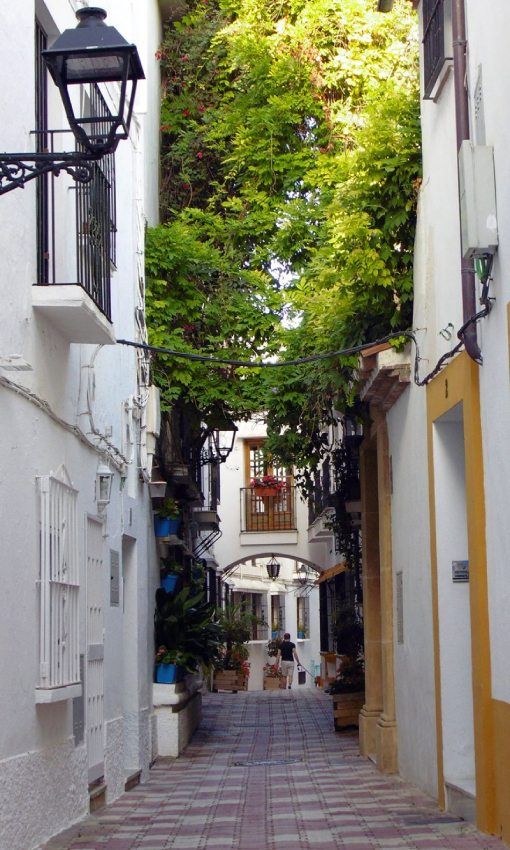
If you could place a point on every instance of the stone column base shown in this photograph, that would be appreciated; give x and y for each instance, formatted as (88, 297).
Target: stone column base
(367, 731)
(386, 745)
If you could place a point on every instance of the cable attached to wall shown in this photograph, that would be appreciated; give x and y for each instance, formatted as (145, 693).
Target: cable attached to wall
(342, 352)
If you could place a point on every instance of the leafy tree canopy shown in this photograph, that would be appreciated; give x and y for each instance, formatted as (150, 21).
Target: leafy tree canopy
(290, 160)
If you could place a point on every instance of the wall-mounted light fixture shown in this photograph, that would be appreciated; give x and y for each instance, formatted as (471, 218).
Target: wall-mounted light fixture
(273, 568)
(91, 53)
(104, 481)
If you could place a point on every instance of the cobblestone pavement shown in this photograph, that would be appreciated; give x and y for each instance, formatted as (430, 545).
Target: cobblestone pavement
(316, 793)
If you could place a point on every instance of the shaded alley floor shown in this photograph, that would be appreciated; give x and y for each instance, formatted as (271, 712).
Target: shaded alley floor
(316, 793)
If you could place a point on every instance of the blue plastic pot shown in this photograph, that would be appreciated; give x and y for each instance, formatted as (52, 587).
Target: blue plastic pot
(169, 674)
(301, 635)
(169, 583)
(274, 635)
(164, 527)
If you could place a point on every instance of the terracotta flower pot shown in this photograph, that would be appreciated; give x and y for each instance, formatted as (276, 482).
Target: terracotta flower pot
(266, 492)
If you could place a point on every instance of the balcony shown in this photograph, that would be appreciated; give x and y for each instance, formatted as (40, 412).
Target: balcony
(268, 513)
(76, 227)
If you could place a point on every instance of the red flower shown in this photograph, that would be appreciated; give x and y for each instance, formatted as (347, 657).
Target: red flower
(201, 108)
(199, 155)
(186, 112)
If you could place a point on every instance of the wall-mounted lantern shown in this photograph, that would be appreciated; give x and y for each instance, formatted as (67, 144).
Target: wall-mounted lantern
(104, 481)
(92, 52)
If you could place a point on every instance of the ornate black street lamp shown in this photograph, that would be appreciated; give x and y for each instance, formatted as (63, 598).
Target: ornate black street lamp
(91, 53)
(273, 568)
(218, 442)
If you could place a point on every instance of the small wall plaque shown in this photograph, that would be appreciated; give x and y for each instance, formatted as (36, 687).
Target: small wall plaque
(460, 570)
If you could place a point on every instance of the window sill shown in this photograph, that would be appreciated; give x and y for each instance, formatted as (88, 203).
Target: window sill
(47, 695)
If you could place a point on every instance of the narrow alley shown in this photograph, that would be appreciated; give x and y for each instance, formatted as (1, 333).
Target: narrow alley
(266, 770)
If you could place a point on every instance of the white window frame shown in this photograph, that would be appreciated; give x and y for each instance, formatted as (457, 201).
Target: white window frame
(59, 586)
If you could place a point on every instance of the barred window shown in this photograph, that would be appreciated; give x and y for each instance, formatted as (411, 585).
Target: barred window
(303, 616)
(96, 216)
(41, 144)
(59, 584)
(436, 34)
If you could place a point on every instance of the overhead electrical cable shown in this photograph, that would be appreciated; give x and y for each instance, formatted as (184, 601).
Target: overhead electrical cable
(327, 355)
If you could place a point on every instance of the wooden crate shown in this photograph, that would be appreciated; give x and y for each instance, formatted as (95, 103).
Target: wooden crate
(346, 709)
(229, 680)
(271, 684)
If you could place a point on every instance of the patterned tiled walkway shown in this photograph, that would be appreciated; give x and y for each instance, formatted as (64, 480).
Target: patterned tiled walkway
(318, 794)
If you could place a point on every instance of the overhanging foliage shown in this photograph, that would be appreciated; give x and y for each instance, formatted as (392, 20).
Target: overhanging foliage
(290, 161)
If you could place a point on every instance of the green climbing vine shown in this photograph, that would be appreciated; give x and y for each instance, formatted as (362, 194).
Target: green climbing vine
(290, 165)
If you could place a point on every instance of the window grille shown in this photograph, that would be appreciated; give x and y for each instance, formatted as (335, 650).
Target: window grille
(96, 215)
(59, 583)
(433, 42)
(303, 616)
(41, 145)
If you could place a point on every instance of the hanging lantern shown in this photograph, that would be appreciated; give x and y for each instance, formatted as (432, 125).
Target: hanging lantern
(273, 568)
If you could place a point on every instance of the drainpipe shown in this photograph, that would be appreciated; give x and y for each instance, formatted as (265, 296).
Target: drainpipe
(462, 127)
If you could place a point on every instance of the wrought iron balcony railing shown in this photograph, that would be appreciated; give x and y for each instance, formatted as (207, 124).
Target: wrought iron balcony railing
(87, 260)
(268, 511)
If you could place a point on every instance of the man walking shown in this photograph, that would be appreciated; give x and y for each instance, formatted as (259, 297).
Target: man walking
(286, 656)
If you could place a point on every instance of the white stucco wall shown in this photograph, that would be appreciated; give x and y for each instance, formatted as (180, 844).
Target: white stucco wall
(438, 302)
(46, 770)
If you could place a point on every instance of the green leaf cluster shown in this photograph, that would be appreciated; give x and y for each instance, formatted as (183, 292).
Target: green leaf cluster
(290, 169)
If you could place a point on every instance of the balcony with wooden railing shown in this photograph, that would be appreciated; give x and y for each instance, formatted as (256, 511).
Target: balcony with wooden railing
(268, 511)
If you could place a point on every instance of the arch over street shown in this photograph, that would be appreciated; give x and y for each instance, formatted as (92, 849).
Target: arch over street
(256, 556)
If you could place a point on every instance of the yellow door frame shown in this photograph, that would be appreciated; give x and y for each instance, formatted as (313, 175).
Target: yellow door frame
(459, 383)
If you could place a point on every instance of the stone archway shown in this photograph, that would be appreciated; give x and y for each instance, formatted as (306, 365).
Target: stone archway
(268, 554)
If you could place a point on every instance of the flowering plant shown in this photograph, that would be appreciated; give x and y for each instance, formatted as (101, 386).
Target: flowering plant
(272, 671)
(270, 481)
(235, 658)
(172, 656)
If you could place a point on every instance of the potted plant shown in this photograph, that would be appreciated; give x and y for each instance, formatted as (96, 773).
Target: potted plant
(273, 677)
(231, 670)
(170, 576)
(348, 688)
(275, 628)
(301, 631)
(187, 627)
(167, 518)
(267, 486)
(170, 666)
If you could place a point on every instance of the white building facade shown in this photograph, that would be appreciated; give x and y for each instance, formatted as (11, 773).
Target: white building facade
(437, 458)
(257, 525)
(77, 417)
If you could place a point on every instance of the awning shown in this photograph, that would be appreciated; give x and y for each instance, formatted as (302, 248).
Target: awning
(332, 572)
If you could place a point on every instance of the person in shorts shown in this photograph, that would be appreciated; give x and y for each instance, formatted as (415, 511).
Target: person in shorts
(286, 656)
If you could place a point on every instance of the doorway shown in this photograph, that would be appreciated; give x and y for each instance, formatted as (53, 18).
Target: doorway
(454, 617)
